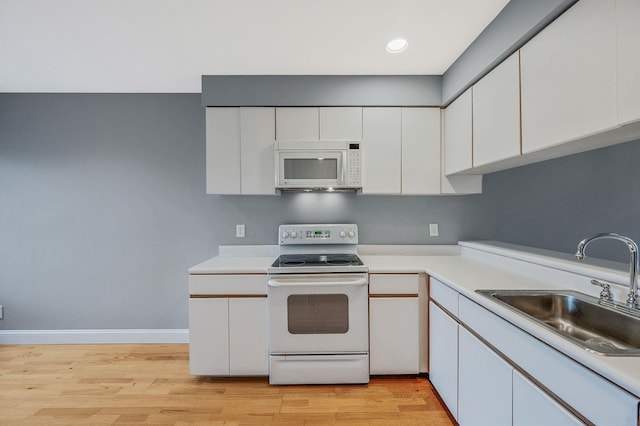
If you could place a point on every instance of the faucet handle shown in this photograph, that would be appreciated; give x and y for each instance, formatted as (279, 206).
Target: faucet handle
(605, 294)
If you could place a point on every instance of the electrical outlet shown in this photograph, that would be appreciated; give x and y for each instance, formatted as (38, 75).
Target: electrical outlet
(239, 231)
(433, 230)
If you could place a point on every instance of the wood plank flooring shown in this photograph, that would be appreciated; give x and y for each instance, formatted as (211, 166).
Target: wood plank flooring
(150, 384)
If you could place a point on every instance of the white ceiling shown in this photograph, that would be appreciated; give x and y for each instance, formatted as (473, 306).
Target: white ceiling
(166, 45)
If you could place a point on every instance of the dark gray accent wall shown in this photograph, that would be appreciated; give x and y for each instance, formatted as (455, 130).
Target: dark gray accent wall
(103, 208)
(556, 203)
(516, 24)
(321, 90)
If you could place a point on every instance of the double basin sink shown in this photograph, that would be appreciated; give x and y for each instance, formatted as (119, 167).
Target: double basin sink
(577, 317)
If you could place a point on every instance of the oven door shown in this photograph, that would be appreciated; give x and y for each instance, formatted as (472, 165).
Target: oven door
(318, 313)
(310, 169)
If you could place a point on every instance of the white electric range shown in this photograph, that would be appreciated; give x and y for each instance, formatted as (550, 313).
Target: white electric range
(318, 307)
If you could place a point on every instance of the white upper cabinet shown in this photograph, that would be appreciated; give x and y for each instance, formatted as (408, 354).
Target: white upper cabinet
(340, 123)
(381, 150)
(628, 37)
(240, 151)
(300, 124)
(496, 114)
(223, 150)
(458, 135)
(312, 124)
(257, 135)
(568, 77)
(420, 151)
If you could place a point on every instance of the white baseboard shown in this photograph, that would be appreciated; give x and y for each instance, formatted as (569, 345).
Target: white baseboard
(59, 337)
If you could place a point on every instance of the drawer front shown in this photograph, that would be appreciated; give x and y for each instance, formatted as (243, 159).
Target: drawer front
(594, 397)
(444, 295)
(394, 284)
(228, 285)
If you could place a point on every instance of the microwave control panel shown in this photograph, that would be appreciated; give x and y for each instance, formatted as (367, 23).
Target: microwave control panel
(353, 166)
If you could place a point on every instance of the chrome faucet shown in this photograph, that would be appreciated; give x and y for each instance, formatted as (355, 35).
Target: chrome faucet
(632, 298)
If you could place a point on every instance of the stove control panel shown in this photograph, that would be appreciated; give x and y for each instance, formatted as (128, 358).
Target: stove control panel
(318, 234)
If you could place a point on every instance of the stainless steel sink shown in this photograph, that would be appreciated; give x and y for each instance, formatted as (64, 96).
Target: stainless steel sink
(577, 317)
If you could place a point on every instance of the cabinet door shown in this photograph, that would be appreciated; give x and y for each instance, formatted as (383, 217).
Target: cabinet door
(496, 114)
(341, 123)
(393, 335)
(458, 134)
(420, 151)
(484, 384)
(568, 74)
(443, 356)
(628, 37)
(257, 135)
(533, 407)
(223, 150)
(381, 150)
(209, 336)
(297, 124)
(248, 353)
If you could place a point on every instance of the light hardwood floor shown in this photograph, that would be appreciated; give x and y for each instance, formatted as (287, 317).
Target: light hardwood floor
(132, 384)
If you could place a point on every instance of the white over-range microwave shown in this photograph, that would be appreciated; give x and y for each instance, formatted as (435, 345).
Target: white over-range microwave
(318, 165)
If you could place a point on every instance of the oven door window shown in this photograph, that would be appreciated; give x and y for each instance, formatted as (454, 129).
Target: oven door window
(318, 313)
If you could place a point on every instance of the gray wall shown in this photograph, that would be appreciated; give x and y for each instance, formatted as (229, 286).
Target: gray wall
(556, 203)
(103, 208)
(321, 90)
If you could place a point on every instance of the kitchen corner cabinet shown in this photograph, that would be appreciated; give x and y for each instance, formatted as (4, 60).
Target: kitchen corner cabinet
(313, 124)
(568, 77)
(443, 356)
(394, 324)
(227, 331)
(458, 134)
(240, 150)
(496, 114)
(628, 42)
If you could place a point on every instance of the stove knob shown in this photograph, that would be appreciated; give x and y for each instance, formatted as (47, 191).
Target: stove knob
(294, 234)
(343, 234)
(352, 234)
(285, 235)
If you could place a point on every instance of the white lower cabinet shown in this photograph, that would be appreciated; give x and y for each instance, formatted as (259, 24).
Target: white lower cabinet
(533, 407)
(209, 336)
(443, 356)
(248, 345)
(484, 384)
(228, 336)
(393, 337)
(394, 324)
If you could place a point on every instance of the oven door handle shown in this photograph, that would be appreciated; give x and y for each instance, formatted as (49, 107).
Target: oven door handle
(274, 282)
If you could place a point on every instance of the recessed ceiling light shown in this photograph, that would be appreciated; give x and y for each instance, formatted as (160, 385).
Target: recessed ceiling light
(398, 45)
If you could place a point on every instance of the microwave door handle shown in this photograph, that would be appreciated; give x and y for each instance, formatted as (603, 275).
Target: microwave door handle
(274, 282)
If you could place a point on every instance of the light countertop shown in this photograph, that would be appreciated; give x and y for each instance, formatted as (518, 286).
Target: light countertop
(473, 266)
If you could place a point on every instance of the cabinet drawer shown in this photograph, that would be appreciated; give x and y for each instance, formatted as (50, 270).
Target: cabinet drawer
(444, 295)
(228, 284)
(594, 397)
(393, 284)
